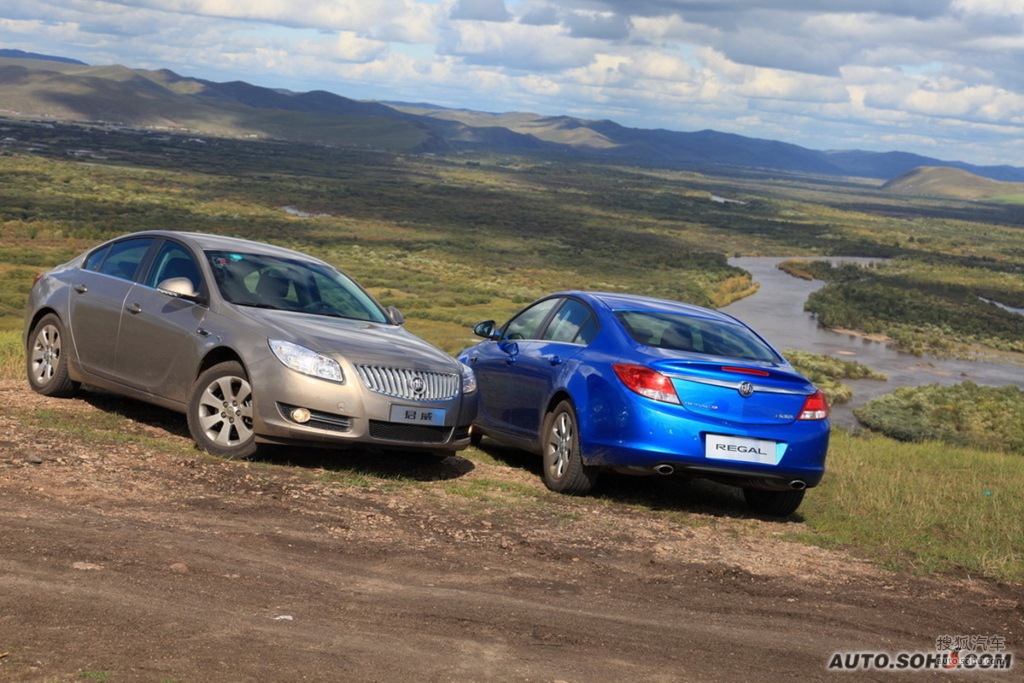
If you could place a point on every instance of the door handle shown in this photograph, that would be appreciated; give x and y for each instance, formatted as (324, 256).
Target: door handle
(81, 289)
(510, 360)
(555, 360)
(134, 309)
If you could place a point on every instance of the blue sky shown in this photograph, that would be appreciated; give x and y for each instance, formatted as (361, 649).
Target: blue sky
(943, 78)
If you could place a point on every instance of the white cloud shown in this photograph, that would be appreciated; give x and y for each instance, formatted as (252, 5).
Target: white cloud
(515, 46)
(345, 47)
(989, 7)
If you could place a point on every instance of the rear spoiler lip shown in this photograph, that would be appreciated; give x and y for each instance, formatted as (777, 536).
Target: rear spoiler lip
(735, 384)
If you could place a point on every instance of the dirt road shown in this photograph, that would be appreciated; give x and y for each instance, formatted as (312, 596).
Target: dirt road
(127, 555)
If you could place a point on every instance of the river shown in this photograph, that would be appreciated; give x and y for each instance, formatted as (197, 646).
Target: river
(777, 312)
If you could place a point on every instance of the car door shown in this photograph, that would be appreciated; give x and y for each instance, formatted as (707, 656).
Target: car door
(541, 364)
(494, 362)
(98, 292)
(160, 334)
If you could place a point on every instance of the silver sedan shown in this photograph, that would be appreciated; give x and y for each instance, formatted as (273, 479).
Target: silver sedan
(254, 343)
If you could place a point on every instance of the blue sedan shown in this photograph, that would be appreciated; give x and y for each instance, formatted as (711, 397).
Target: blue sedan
(595, 381)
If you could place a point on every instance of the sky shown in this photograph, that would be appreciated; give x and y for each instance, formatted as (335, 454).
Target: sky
(942, 78)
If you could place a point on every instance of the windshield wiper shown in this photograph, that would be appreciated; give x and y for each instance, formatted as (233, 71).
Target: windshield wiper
(253, 304)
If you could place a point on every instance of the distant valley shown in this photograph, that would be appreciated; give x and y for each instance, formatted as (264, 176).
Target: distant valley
(36, 86)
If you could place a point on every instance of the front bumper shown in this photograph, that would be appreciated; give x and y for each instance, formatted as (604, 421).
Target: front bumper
(349, 414)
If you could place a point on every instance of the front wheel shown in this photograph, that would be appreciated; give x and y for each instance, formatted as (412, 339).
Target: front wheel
(773, 503)
(46, 360)
(564, 470)
(220, 412)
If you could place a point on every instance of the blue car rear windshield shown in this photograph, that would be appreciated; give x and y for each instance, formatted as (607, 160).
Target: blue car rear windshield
(695, 335)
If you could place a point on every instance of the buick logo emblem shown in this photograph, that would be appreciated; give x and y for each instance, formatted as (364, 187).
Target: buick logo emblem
(746, 389)
(417, 385)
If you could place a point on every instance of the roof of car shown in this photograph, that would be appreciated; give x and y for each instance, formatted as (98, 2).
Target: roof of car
(618, 301)
(207, 241)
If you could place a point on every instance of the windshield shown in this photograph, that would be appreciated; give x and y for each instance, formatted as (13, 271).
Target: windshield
(291, 285)
(695, 335)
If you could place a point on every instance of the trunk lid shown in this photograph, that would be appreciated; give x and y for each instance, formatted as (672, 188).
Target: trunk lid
(752, 394)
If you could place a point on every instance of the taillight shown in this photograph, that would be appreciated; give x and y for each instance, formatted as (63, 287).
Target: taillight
(746, 371)
(647, 382)
(815, 407)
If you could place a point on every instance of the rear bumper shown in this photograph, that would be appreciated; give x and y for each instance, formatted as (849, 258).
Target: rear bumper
(651, 437)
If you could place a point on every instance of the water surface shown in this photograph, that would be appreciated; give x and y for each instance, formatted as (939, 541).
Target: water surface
(776, 311)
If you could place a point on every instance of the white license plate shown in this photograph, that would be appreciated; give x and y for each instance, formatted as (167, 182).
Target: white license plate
(742, 449)
(417, 416)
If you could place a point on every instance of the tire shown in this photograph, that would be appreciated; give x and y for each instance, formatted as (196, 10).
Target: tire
(773, 503)
(46, 362)
(220, 412)
(564, 470)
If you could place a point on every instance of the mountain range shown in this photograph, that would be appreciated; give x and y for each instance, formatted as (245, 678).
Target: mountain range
(55, 88)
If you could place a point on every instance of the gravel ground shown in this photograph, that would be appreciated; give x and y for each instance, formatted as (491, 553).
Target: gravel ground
(127, 555)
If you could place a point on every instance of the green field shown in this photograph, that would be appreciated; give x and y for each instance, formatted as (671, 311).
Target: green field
(455, 240)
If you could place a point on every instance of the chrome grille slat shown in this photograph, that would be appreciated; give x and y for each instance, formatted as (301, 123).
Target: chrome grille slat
(400, 382)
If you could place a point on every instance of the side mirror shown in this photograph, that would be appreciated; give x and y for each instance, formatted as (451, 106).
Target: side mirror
(484, 329)
(178, 287)
(395, 315)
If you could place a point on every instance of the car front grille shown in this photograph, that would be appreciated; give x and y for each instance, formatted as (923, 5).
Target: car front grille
(411, 385)
(396, 431)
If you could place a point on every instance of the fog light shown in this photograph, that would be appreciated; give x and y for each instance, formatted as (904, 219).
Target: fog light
(301, 415)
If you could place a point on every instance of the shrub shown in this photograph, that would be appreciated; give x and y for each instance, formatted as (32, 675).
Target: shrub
(826, 372)
(965, 414)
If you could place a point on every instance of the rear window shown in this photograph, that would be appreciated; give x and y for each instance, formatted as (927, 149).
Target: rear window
(121, 259)
(695, 335)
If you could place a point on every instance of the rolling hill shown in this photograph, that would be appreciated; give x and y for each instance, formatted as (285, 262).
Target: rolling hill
(53, 88)
(952, 183)
(162, 99)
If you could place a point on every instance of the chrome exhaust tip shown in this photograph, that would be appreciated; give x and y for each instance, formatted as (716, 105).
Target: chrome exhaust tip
(798, 484)
(664, 469)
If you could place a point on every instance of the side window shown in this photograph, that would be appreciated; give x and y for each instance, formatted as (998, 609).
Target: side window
(574, 322)
(174, 260)
(527, 324)
(123, 258)
(588, 331)
(95, 259)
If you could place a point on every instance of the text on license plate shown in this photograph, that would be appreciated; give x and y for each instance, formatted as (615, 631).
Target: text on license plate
(743, 449)
(417, 416)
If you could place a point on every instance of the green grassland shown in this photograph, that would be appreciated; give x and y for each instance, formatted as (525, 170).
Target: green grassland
(927, 506)
(458, 239)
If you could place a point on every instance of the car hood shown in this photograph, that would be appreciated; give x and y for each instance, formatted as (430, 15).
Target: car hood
(356, 341)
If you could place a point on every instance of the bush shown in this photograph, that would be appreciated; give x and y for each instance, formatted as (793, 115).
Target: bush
(962, 415)
(826, 372)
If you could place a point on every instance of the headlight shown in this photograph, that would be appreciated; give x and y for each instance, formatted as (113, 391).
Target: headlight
(301, 359)
(468, 379)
